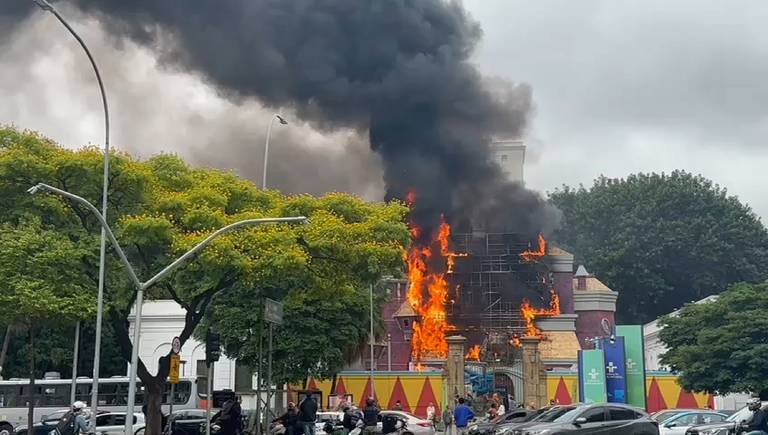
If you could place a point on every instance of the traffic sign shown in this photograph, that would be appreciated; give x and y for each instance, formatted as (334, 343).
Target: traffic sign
(173, 376)
(273, 311)
(176, 345)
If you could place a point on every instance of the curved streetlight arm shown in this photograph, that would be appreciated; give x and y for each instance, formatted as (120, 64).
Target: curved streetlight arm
(179, 261)
(104, 225)
(48, 7)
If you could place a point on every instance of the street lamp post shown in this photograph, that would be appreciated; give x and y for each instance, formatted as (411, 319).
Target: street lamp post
(266, 147)
(46, 6)
(141, 286)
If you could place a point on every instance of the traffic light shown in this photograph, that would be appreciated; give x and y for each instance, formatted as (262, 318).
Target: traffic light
(212, 347)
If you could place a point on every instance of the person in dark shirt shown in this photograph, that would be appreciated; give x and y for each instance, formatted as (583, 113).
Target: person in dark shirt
(370, 417)
(758, 424)
(290, 420)
(308, 414)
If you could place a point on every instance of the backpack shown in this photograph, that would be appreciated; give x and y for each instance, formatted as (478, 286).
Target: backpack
(66, 426)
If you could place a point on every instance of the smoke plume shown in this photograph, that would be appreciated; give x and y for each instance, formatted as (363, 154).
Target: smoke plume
(397, 71)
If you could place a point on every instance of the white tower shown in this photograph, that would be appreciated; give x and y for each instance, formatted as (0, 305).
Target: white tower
(510, 155)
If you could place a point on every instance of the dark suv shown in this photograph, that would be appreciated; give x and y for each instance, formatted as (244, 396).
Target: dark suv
(728, 427)
(598, 419)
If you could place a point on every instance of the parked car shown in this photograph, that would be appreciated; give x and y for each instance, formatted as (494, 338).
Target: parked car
(665, 414)
(185, 422)
(726, 427)
(515, 416)
(414, 425)
(678, 424)
(547, 415)
(107, 423)
(598, 419)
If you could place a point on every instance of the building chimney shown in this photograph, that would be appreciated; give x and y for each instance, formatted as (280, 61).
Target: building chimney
(581, 278)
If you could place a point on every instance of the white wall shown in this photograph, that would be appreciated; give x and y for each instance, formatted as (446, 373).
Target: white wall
(162, 320)
(510, 155)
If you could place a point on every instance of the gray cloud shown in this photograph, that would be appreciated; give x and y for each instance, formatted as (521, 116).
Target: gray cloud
(637, 86)
(46, 84)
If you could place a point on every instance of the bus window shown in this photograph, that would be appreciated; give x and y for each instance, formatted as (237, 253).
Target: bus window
(181, 392)
(108, 394)
(83, 392)
(54, 395)
(10, 396)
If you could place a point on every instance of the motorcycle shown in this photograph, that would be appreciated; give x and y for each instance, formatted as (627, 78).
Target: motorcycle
(276, 428)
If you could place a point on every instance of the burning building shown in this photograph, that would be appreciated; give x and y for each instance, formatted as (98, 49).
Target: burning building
(493, 288)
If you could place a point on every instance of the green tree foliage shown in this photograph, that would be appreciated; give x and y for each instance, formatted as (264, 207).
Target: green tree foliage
(161, 207)
(662, 240)
(721, 346)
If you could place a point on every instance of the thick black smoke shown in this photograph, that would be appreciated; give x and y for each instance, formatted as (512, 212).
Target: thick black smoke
(396, 69)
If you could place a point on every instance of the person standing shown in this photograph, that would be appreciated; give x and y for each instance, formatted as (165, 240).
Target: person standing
(448, 420)
(431, 413)
(462, 415)
(370, 417)
(308, 414)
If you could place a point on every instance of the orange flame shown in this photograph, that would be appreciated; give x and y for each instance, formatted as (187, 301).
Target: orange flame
(428, 294)
(531, 255)
(444, 236)
(474, 353)
(515, 341)
(530, 313)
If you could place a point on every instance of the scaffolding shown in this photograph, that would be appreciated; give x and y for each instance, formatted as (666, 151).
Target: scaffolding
(492, 280)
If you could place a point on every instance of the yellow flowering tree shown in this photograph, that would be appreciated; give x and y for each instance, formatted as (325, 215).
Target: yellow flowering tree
(161, 207)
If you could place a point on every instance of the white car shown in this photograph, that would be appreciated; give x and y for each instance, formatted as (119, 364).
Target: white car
(108, 423)
(113, 423)
(679, 424)
(413, 425)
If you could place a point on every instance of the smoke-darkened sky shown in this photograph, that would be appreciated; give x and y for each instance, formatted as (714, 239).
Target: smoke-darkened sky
(618, 87)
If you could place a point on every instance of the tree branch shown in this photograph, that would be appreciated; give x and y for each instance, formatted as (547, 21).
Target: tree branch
(120, 326)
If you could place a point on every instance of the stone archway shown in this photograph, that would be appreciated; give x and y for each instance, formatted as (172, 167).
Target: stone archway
(509, 379)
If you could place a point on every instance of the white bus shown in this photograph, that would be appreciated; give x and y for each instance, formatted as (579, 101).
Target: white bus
(54, 395)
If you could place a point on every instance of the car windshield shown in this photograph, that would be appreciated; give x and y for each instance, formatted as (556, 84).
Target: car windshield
(743, 414)
(554, 414)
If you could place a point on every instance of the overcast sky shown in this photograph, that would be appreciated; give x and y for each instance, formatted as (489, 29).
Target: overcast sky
(619, 87)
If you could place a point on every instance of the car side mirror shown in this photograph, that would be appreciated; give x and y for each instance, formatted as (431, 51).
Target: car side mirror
(579, 421)
(669, 425)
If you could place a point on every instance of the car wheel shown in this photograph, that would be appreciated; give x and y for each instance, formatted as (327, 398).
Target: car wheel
(6, 429)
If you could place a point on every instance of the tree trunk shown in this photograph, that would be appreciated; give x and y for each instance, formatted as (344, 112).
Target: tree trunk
(154, 400)
(31, 395)
(4, 352)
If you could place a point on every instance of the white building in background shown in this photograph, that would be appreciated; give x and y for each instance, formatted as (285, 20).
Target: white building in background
(161, 320)
(510, 155)
(655, 348)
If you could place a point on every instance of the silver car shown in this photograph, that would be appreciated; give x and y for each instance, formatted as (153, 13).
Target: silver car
(413, 425)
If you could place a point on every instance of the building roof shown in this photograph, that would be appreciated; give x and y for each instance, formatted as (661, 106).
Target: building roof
(405, 310)
(559, 346)
(594, 285)
(553, 250)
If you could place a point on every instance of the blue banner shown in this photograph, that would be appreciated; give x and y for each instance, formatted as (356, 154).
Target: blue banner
(615, 369)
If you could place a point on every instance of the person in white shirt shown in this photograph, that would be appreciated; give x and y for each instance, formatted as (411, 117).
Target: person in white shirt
(431, 412)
